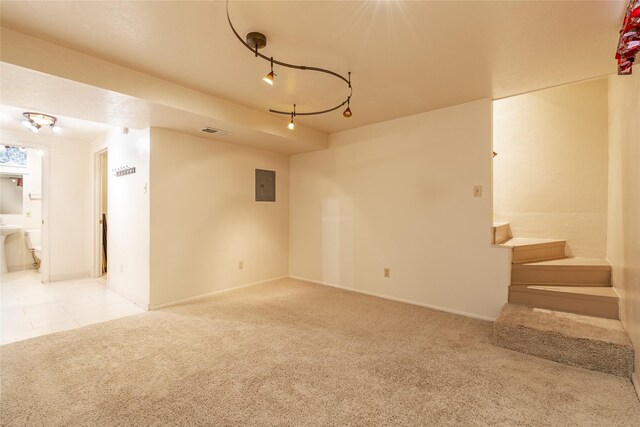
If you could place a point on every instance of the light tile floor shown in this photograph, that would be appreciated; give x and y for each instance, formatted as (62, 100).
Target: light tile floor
(30, 308)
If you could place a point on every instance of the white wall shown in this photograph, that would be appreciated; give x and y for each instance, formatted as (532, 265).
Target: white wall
(550, 175)
(399, 194)
(18, 256)
(204, 217)
(128, 226)
(624, 200)
(69, 209)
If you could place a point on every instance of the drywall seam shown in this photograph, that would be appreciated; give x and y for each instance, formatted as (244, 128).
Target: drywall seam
(209, 294)
(406, 301)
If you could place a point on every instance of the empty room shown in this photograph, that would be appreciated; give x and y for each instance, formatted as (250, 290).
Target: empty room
(419, 213)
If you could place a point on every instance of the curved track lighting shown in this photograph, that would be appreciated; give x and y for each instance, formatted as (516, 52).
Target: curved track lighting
(256, 41)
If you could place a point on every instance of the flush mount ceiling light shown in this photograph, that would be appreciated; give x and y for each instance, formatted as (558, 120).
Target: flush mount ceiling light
(35, 121)
(256, 41)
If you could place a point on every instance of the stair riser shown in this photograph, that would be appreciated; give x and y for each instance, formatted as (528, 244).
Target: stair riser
(525, 276)
(598, 307)
(501, 233)
(534, 253)
(602, 357)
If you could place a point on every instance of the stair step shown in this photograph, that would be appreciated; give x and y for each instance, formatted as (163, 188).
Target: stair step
(583, 341)
(527, 250)
(599, 301)
(501, 232)
(566, 271)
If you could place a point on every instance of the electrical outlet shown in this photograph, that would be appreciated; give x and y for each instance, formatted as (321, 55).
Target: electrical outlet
(27, 214)
(121, 268)
(240, 265)
(477, 191)
(387, 272)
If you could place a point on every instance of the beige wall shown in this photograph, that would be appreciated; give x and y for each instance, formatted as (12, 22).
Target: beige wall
(69, 209)
(550, 175)
(399, 195)
(205, 220)
(624, 199)
(128, 227)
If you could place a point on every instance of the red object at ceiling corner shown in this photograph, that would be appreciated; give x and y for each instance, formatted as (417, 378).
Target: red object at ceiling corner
(629, 43)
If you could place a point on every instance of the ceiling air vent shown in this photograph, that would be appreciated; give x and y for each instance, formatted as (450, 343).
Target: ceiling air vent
(214, 131)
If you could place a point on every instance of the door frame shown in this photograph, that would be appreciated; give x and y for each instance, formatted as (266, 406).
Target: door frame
(97, 212)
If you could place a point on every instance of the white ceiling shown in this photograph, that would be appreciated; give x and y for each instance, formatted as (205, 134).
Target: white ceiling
(405, 57)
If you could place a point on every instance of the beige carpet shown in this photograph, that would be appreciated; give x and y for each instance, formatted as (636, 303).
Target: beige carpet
(291, 353)
(582, 341)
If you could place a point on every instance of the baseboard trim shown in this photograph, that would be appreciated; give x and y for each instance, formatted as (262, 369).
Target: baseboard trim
(391, 298)
(14, 268)
(636, 383)
(209, 294)
(126, 294)
(72, 276)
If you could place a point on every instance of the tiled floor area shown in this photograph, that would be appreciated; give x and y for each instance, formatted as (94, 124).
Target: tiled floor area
(30, 308)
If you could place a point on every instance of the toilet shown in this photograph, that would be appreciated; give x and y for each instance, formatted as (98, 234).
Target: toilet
(34, 244)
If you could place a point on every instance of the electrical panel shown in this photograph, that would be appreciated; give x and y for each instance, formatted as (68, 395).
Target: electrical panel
(265, 185)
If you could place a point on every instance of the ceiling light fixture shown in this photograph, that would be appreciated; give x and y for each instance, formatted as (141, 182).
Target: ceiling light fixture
(35, 121)
(256, 41)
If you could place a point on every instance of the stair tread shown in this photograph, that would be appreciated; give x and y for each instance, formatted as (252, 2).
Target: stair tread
(500, 224)
(527, 241)
(573, 339)
(597, 291)
(560, 284)
(594, 263)
(566, 324)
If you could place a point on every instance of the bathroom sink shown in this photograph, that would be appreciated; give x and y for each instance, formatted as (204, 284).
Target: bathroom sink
(5, 230)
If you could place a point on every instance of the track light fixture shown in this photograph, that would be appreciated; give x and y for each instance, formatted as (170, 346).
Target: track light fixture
(256, 41)
(35, 121)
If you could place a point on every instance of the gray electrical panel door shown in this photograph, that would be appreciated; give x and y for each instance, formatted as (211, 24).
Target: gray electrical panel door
(265, 186)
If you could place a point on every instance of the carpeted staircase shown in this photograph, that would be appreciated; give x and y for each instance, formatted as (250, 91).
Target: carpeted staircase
(561, 308)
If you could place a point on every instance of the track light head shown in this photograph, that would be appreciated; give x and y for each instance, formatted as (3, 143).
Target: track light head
(269, 78)
(347, 113)
(291, 125)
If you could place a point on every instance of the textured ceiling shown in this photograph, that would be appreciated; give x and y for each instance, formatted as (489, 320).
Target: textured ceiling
(405, 57)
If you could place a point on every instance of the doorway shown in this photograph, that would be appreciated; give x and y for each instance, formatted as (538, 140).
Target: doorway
(101, 213)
